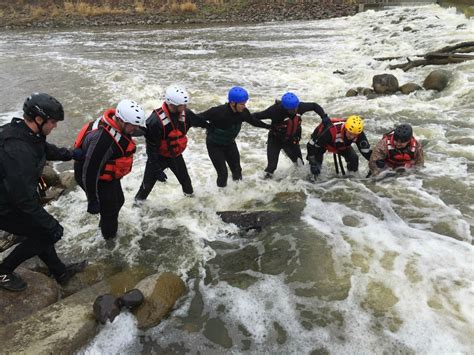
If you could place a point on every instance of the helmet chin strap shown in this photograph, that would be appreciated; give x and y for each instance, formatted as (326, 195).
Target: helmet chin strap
(40, 126)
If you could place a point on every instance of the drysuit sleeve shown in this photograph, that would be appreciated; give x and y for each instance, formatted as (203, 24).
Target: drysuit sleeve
(253, 121)
(312, 106)
(364, 146)
(55, 153)
(19, 170)
(196, 120)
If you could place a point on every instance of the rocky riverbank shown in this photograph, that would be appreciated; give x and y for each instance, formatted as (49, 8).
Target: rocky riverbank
(236, 11)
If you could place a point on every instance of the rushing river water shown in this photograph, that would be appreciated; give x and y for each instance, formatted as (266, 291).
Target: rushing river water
(355, 266)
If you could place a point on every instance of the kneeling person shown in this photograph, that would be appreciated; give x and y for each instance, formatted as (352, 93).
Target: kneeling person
(397, 149)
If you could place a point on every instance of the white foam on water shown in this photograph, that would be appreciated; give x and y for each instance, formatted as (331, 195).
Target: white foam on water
(115, 337)
(431, 273)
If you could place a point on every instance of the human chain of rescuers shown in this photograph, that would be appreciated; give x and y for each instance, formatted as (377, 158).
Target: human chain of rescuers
(104, 148)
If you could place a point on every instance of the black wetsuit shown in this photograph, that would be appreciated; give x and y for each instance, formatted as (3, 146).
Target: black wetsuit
(224, 126)
(99, 147)
(317, 146)
(276, 137)
(23, 155)
(157, 162)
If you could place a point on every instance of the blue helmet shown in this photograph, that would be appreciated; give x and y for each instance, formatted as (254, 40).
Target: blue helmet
(238, 94)
(290, 101)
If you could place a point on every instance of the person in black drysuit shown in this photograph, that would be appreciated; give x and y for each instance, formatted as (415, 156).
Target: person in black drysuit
(108, 147)
(166, 140)
(285, 132)
(23, 154)
(337, 136)
(225, 122)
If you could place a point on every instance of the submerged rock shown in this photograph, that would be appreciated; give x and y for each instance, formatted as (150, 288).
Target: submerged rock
(408, 88)
(41, 292)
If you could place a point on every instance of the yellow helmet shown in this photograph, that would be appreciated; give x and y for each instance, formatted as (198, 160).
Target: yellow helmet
(354, 124)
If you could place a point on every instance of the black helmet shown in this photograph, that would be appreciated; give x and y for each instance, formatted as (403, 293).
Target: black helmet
(403, 133)
(43, 105)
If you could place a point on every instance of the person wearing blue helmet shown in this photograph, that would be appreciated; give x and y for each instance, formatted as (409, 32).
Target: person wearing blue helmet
(285, 131)
(225, 122)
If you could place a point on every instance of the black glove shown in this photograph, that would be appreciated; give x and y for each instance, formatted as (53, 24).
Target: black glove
(77, 154)
(93, 207)
(315, 168)
(380, 163)
(160, 174)
(56, 233)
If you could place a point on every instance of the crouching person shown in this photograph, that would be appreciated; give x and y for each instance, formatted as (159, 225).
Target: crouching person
(397, 149)
(108, 149)
(23, 154)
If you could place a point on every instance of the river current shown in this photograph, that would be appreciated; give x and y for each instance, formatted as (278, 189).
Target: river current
(353, 265)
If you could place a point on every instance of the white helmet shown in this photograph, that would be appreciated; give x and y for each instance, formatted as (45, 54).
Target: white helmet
(131, 112)
(176, 95)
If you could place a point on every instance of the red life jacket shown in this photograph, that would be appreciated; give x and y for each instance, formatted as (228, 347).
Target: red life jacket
(289, 129)
(174, 140)
(400, 157)
(337, 131)
(115, 168)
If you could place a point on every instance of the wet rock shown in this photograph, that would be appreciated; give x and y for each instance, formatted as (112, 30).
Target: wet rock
(407, 29)
(50, 176)
(106, 308)
(367, 91)
(216, 332)
(41, 292)
(65, 326)
(437, 80)
(160, 292)
(241, 260)
(351, 93)
(408, 88)
(131, 299)
(251, 220)
(385, 84)
(241, 280)
(67, 180)
(51, 194)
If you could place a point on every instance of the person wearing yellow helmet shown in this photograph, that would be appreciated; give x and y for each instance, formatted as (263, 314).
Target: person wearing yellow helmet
(337, 136)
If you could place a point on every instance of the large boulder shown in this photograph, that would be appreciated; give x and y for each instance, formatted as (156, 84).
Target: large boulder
(65, 326)
(385, 84)
(437, 80)
(408, 88)
(41, 292)
(161, 292)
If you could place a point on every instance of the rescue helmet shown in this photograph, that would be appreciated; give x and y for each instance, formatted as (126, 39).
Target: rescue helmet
(131, 112)
(238, 95)
(43, 105)
(289, 101)
(176, 95)
(354, 124)
(403, 133)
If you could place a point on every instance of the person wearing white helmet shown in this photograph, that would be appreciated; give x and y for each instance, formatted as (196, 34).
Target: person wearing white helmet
(166, 139)
(108, 149)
